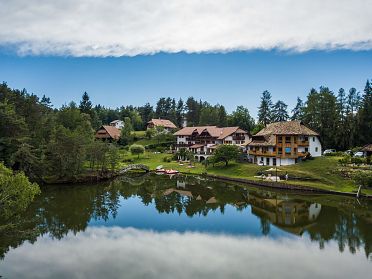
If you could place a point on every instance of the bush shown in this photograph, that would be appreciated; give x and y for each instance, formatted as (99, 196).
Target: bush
(167, 159)
(345, 160)
(363, 178)
(358, 161)
(136, 149)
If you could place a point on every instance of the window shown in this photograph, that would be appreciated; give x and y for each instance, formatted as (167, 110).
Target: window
(288, 150)
(306, 149)
(287, 139)
(280, 140)
(274, 161)
(274, 149)
(267, 161)
(313, 138)
(316, 149)
(280, 150)
(295, 139)
(306, 138)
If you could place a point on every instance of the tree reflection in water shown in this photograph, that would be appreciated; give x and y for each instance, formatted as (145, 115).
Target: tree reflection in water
(70, 208)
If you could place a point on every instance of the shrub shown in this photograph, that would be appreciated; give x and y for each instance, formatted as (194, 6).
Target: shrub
(136, 149)
(167, 159)
(358, 161)
(363, 178)
(345, 160)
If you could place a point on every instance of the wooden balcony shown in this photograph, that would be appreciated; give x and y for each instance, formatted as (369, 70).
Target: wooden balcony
(303, 143)
(262, 153)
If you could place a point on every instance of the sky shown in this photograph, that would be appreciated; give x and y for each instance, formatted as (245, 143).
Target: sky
(134, 51)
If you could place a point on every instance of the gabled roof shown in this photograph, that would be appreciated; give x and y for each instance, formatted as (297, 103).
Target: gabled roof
(268, 140)
(112, 131)
(286, 128)
(214, 131)
(162, 122)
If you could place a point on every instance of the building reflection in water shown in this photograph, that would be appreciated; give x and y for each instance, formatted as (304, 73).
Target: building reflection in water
(63, 210)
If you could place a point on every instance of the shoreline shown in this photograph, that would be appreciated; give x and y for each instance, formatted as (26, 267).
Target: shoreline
(266, 184)
(285, 186)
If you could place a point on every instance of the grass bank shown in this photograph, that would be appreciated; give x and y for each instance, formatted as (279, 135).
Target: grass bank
(320, 173)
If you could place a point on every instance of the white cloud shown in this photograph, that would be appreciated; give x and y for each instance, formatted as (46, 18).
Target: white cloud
(132, 27)
(130, 253)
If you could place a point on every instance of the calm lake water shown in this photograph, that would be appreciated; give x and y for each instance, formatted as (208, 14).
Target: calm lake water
(187, 227)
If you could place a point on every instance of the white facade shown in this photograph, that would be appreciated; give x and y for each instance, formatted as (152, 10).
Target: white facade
(315, 147)
(119, 124)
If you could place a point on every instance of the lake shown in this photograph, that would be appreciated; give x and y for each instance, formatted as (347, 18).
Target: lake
(156, 226)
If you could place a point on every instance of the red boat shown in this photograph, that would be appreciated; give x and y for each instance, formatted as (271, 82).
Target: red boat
(171, 171)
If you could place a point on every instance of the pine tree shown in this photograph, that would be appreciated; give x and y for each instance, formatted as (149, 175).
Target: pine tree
(365, 116)
(85, 104)
(180, 112)
(298, 111)
(279, 112)
(265, 108)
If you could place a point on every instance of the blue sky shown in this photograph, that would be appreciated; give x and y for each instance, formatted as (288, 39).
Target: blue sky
(231, 79)
(224, 51)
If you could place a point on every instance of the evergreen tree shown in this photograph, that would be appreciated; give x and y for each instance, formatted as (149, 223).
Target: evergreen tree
(146, 112)
(85, 104)
(365, 116)
(341, 134)
(222, 116)
(193, 110)
(298, 111)
(279, 112)
(241, 118)
(180, 112)
(265, 108)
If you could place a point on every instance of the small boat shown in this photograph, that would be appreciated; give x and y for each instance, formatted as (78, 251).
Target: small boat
(171, 171)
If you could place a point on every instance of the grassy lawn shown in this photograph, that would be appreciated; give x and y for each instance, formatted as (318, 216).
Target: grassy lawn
(321, 173)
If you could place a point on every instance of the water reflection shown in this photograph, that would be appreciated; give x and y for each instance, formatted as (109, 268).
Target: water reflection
(193, 204)
(129, 253)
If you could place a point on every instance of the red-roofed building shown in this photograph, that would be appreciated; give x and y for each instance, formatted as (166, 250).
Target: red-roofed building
(203, 140)
(165, 123)
(108, 133)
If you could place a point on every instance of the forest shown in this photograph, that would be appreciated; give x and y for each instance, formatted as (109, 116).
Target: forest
(43, 141)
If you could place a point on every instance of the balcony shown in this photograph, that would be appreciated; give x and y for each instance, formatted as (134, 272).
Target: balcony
(262, 153)
(303, 143)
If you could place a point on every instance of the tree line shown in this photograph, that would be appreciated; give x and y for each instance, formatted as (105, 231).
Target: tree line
(44, 141)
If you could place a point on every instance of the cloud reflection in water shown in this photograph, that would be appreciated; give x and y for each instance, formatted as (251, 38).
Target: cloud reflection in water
(114, 252)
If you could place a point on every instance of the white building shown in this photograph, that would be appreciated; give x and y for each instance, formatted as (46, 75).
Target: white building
(204, 139)
(283, 143)
(117, 124)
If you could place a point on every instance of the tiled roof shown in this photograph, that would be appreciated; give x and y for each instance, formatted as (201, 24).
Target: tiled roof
(266, 137)
(268, 140)
(287, 128)
(163, 122)
(367, 147)
(214, 131)
(112, 131)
